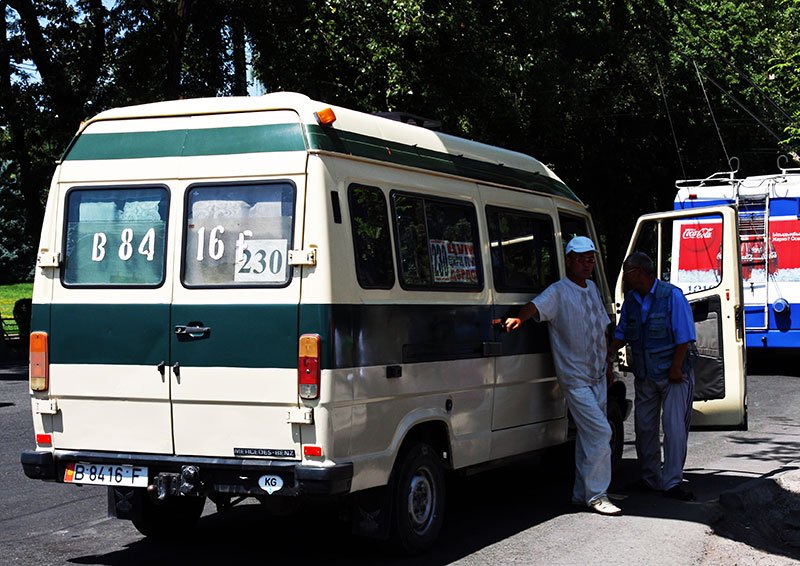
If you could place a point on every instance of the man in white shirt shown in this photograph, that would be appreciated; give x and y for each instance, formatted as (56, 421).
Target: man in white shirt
(578, 321)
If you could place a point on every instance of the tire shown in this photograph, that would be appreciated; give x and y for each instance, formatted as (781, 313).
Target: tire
(169, 519)
(615, 419)
(418, 498)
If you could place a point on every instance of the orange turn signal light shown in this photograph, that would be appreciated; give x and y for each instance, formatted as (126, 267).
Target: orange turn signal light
(39, 362)
(325, 117)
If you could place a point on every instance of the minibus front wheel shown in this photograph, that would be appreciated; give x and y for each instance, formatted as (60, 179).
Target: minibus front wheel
(418, 497)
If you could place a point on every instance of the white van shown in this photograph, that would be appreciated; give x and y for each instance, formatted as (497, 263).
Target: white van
(274, 298)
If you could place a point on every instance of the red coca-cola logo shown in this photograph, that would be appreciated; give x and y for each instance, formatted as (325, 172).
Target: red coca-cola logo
(697, 233)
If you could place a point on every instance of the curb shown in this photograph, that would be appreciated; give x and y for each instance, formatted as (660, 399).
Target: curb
(770, 504)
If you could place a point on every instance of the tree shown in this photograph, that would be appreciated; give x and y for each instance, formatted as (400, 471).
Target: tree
(42, 108)
(619, 97)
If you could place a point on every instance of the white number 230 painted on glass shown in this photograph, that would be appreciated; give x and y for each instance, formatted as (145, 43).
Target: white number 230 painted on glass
(259, 260)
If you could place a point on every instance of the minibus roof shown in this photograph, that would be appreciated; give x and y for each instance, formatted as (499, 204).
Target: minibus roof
(374, 137)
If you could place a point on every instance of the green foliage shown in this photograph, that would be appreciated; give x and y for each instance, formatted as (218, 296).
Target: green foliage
(10, 294)
(606, 92)
(784, 74)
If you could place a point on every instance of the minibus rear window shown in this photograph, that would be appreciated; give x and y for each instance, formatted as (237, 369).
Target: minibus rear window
(115, 237)
(523, 250)
(238, 235)
(437, 243)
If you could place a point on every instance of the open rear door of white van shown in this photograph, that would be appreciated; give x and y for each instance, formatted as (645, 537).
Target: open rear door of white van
(698, 251)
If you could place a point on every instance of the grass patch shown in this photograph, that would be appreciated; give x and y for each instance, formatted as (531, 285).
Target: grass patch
(10, 294)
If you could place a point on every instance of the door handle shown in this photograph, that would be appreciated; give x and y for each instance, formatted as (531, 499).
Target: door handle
(393, 372)
(176, 369)
(192, 331)
(160, 367)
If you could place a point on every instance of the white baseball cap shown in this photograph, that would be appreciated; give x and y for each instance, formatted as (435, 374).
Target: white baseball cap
(580, 244)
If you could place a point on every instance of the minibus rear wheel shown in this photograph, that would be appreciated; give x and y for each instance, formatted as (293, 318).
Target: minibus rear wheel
(418, 498)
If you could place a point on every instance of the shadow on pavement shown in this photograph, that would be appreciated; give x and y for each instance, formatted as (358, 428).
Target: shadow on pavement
(477, 516)
(483, 510)
(765, 514)
(773, 362)
(14, 370)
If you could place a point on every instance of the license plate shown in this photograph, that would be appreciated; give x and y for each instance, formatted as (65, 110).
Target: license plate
(106, 474)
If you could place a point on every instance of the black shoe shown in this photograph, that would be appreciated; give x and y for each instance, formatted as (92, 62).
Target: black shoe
(641, 485)
(680, 493)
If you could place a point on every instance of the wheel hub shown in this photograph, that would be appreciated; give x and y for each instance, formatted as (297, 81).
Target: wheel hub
(420, 500)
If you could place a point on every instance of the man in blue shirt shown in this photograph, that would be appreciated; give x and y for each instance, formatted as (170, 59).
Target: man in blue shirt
(656, 322)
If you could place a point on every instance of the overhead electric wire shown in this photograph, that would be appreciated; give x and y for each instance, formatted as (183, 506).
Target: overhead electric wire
(743, 107)
(716, 84)
(731, 64)
(671, 126)
(711, 110)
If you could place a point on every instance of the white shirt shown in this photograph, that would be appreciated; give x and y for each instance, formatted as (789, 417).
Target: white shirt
(578, 322)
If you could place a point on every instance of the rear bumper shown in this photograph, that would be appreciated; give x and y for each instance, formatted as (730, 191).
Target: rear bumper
(236, 476)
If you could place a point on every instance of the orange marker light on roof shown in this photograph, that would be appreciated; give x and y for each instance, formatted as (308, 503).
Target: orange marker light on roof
(40, 363)
(325, 117)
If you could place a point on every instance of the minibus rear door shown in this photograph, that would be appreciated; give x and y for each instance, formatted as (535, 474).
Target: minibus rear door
(108, 318)
(234, 320)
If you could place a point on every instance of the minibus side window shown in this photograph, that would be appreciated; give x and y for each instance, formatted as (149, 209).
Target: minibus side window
(436, 242)
(572, 226)
(115, 237)
(373, 247)
(238, 235)
(523, 250)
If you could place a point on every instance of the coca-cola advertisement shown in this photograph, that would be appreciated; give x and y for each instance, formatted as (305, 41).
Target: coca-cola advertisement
(698, 244)
(699, 254)
(783, 255)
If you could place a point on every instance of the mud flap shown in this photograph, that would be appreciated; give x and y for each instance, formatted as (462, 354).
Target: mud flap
(370, 512)
(125, 502)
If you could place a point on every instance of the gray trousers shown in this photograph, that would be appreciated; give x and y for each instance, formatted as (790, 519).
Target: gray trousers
(672, 402)
(587, 404)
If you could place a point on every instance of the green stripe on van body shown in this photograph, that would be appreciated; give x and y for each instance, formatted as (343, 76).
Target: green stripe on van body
(187, 143)
(290, 137)
(140, 334)
(108, 334)
(265, 335)
(349, 143)
(250, 335)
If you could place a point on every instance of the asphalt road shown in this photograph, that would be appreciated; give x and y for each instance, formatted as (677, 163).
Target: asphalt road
(515, 515)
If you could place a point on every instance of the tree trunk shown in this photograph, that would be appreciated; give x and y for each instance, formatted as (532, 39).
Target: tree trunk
(28, 185)
(180, 26)
(239, 56)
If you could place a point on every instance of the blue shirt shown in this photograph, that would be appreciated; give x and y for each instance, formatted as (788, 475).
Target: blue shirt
(681, 315)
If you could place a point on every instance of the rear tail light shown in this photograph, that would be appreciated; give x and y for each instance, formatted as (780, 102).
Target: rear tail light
(313, 451)
(40, 362)
(308, 366)
(44, 439)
